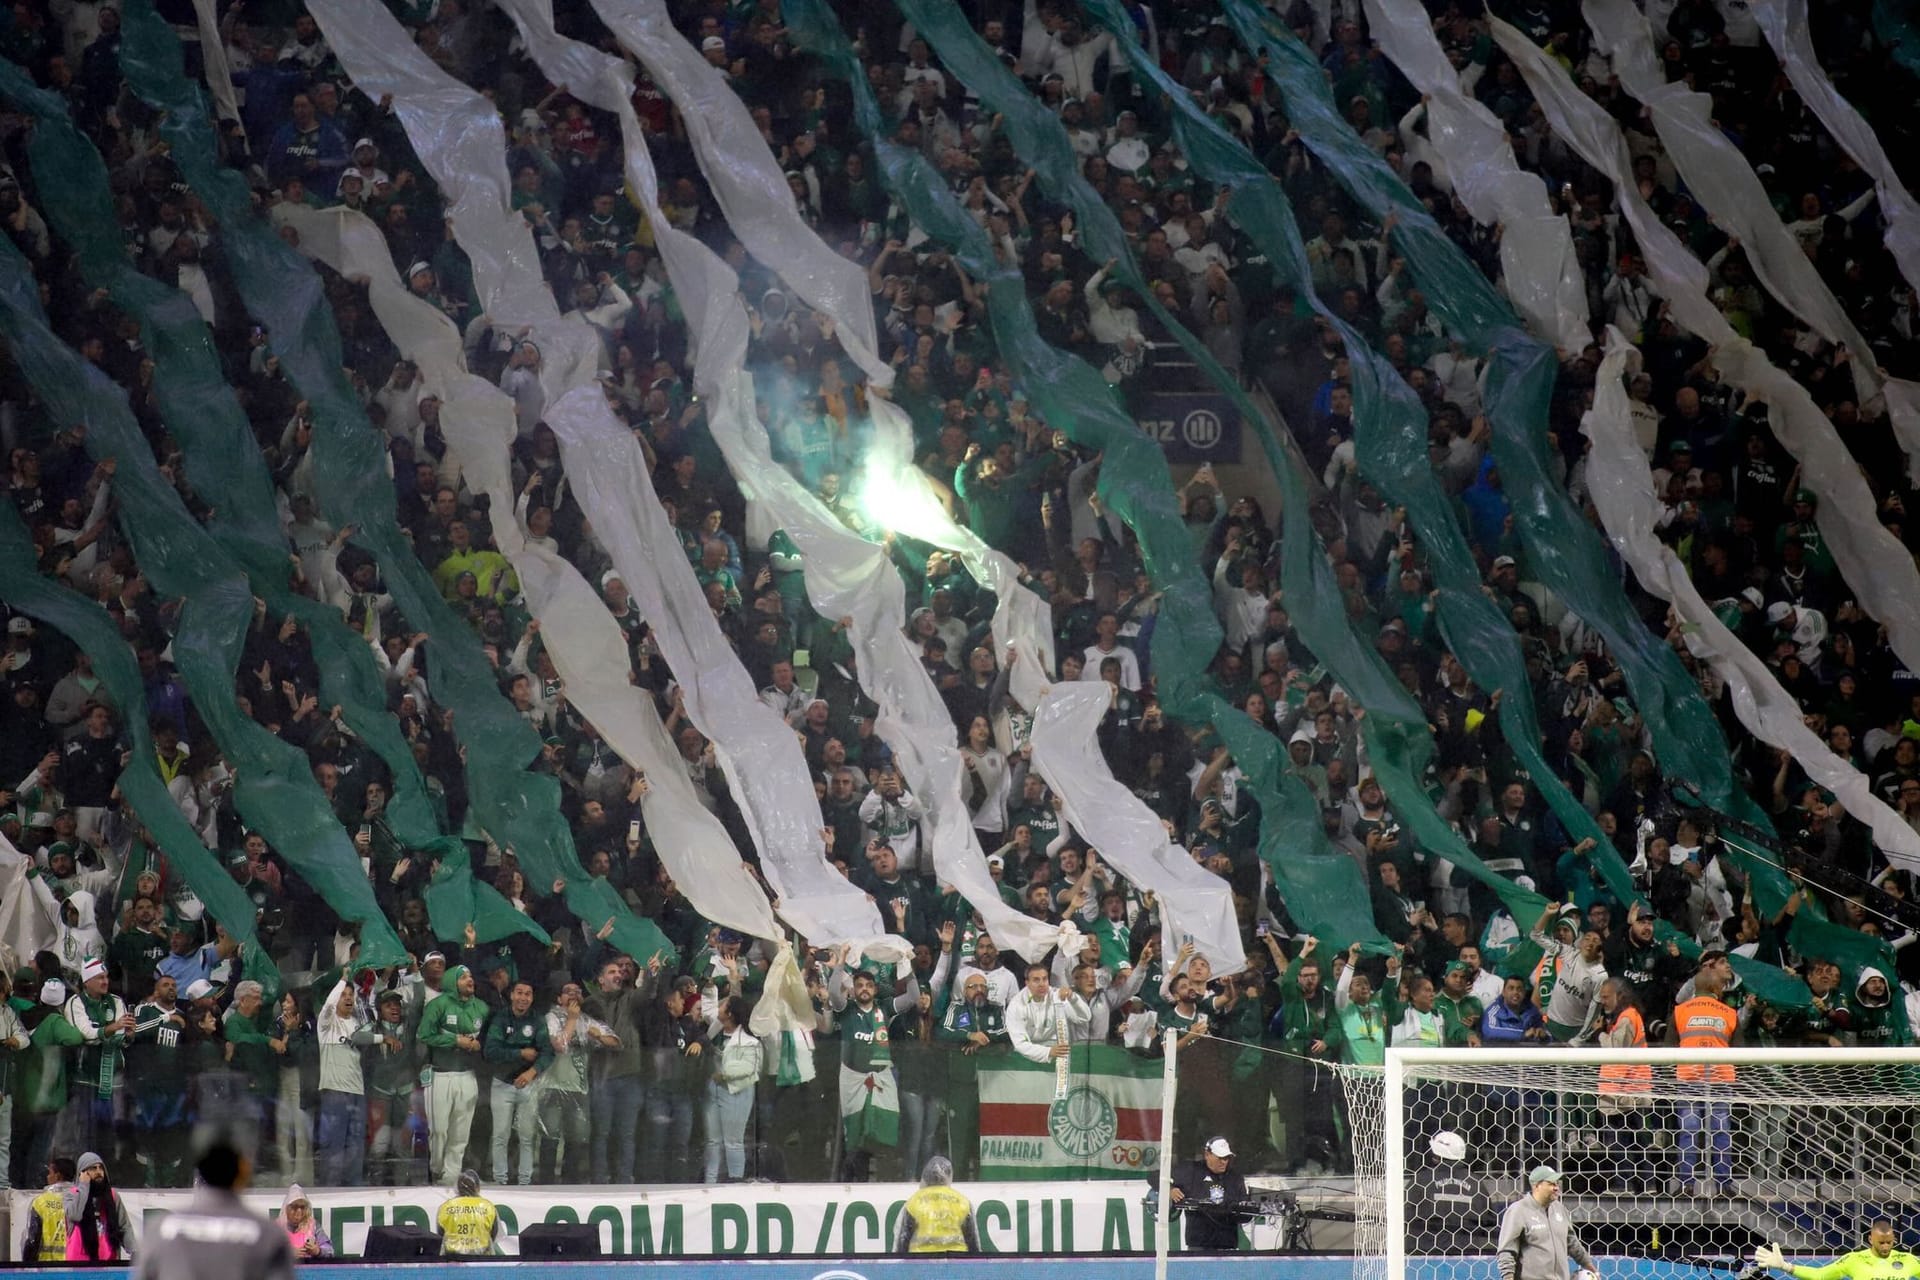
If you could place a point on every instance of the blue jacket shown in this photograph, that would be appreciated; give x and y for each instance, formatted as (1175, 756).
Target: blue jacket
(1501, 1025)
(290, 152)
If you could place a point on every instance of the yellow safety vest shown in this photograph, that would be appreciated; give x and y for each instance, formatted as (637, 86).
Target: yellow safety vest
(51, 1209)
(467, 1224)
(939, 1215)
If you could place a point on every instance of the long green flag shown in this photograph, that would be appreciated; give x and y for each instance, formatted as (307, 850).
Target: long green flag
(223, 459)
(87, 625)
(1322, 886)
(1400, 744)
(518, 808)
(274, 790)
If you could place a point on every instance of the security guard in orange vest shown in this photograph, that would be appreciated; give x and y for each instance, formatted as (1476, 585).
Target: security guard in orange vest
(1705, 1022)
(937, 1219)
(45, 1239)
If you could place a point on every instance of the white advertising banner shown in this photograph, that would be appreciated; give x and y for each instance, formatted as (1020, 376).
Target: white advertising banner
(753, 1220)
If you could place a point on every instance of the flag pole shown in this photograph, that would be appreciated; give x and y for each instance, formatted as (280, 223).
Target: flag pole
(1163, 1235)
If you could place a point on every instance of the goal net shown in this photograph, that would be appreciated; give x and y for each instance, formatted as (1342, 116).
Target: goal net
(1684, 1159)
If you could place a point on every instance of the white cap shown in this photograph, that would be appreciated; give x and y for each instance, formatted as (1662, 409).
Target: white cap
(1219, 1149)
(199, 989)
(92, 968)
(712, 42)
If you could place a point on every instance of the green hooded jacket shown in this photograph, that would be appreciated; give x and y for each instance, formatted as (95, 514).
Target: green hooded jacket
(448, 1017)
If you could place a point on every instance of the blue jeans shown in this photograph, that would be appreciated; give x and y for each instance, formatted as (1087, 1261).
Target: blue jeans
(669, 1136)
(515, 1115)
(615, 1103)
(724, 1116)
(1702, 1122)
(920, 1114)
(342, 1139)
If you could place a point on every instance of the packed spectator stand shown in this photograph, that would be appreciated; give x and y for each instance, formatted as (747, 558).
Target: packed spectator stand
(585, 1063)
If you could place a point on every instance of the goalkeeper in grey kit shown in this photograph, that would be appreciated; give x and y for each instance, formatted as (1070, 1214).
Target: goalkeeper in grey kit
(1537, 1239)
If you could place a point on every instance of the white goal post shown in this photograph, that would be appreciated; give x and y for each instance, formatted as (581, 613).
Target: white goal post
(1675, 1154)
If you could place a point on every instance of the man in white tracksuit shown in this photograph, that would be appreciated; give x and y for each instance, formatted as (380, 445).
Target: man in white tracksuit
(1576, 966)
(1537, 1238)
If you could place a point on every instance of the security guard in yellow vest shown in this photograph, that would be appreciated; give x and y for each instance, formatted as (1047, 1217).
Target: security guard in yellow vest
(469, 1224)
(937, 1219)
(45, 1239)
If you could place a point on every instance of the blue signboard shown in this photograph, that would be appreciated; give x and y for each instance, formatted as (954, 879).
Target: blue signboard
(1192, 426)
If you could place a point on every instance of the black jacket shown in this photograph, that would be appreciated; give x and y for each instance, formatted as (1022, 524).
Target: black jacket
(1208, 1203)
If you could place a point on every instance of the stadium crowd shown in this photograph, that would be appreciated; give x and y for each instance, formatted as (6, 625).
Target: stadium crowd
(589, 1065)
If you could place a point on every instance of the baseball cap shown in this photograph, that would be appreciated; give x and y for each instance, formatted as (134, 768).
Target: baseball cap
(1543, 1173)
(1505, 562)
(1219, 1149)
(712, 42)
(1778, 611)
(199, 989)
(19, 626)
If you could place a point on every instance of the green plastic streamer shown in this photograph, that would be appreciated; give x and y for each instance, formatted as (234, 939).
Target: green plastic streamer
(1322, 886)
(274, 790)
(1400, 744)
(1390, 437)
(1561, 547)
(518, 808)
(223, 458)
(87, 625)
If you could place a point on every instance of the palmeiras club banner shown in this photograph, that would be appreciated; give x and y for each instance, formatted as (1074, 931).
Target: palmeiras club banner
(1106, 1126)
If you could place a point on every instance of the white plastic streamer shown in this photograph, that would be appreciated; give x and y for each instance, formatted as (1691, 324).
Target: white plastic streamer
(1622, 488)
(1731, 192)
(213, 59)
(1540, 273)
(846, 576)
(458, 135)
(753, 194)
(1785, 24)
(1873, 561)
(586, 644)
